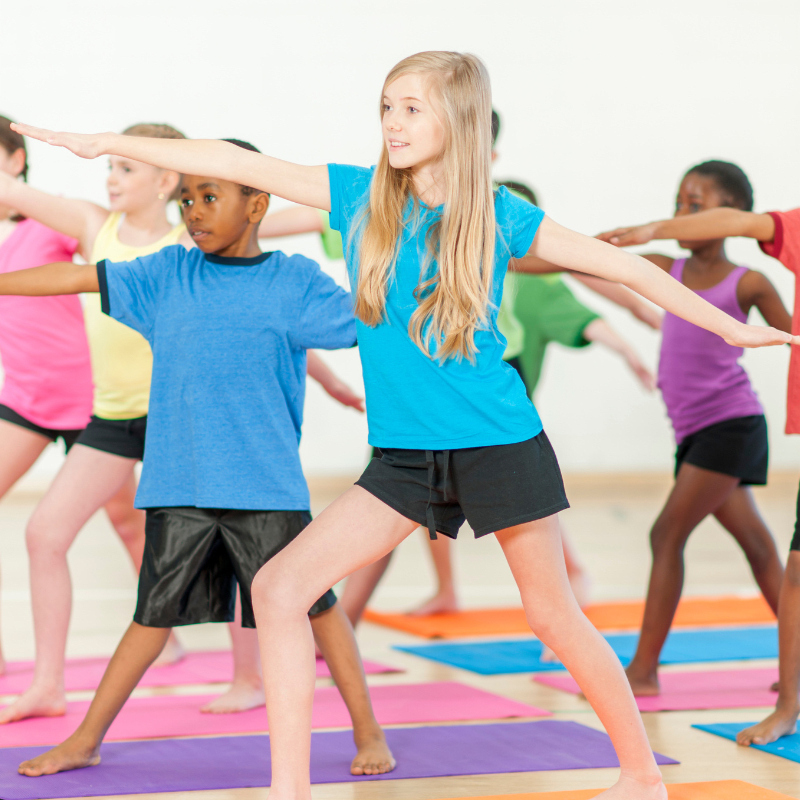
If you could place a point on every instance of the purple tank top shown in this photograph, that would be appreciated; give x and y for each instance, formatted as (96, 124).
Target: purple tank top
(700, 377)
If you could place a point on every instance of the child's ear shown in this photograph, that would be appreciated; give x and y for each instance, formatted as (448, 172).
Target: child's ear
(169, 183)
(259, 203)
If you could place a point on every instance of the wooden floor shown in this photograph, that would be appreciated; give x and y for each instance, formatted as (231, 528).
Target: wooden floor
(608, 522)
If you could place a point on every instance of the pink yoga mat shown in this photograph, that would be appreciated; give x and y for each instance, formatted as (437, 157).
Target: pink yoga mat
(686, 691)
(215, 666)
(179, 715)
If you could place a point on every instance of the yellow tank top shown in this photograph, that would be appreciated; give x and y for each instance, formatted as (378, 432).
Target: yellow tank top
(121, 357)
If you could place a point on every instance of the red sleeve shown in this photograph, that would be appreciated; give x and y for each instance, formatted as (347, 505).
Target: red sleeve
(785, 246)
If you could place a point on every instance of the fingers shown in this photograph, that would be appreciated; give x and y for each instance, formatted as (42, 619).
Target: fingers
(42, 134)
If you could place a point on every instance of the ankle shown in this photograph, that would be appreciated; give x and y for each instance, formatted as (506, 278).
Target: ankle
(364, 733)
(249, 680)
(647, 777)
(788, 704)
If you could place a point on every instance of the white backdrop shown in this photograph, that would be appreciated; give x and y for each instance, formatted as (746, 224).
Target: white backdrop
(604, 105)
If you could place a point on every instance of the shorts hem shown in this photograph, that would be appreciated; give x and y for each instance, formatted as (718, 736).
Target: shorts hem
(174, 622)
(520, 519)
(743, 480)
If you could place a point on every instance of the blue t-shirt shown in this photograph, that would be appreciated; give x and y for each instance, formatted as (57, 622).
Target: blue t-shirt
(229, 339)
(414, 401)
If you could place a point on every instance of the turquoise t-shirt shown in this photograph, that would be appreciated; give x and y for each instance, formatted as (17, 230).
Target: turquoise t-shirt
(413, 401)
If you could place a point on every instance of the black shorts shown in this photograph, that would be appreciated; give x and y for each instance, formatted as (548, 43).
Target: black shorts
(194, 557)
(69, 437)
(737, 447)
(490, 487)
(120, 437)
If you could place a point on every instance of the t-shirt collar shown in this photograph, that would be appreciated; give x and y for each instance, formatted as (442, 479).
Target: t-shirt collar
(230, 261)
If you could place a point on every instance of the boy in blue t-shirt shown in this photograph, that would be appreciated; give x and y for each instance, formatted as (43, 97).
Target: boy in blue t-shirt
(222, 484)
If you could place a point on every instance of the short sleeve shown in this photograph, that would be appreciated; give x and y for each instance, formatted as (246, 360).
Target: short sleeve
(519, 219)
(785, 246)
(129, 290)
(349, 187)
(326, 320)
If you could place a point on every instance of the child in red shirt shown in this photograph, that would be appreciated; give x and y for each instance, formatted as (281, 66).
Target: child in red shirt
(778, 235)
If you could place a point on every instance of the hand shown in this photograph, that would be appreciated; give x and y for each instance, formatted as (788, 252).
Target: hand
(647, 314)
(345, 395)
(625, 237)
(85, 145)
(759, 336)
(643, 375)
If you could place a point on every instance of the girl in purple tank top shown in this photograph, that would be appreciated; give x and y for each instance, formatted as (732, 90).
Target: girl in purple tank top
(720, 430)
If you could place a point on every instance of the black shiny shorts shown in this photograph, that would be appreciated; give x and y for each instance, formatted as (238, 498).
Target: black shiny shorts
(737, 447)
(492, 487)
(69, 437)
(120, 437)
(195, 557)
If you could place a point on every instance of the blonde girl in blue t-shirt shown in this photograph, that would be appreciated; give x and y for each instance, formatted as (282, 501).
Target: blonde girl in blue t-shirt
(428, 242)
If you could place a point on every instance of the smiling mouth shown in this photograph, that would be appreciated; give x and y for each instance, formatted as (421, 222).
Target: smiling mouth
(395, 145)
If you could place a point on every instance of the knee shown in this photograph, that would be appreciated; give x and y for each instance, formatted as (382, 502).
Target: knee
(665, 538)
(273, 592)
(41, 539)
(128, 523)
(761, 554)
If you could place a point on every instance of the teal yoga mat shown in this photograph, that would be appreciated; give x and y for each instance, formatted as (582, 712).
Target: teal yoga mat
(785, 747)
(683, 647)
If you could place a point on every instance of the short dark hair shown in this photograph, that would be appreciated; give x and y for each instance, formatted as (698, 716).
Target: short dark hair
(495, 127)
(247, 190)
(523, 189)
(730, 179)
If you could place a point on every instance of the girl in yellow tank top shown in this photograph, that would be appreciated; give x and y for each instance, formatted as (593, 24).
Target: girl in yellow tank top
(99, 470)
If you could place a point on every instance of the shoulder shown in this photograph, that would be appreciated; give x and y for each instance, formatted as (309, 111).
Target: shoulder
(752, 284)
(785, 243)
(46, 237)
(510, 209)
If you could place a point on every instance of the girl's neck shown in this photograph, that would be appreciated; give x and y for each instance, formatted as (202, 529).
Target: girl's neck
(144, 226)
(709, 257)
(429, 184)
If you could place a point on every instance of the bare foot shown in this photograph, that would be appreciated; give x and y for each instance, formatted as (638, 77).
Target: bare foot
(172, 653)
(374, 756)
(628, 788)
(35, 703)
(242, 696)
(781, 722)
(643, 684)
(71, 754)
(440, 603)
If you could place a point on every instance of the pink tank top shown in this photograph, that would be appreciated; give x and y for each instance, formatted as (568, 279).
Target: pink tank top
(700, 377)
(45, 356)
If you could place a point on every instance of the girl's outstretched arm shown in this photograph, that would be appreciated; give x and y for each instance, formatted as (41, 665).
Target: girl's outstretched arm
(573, 251)
(79, 219)
(715, 223)
(61, 277)
(307, 186)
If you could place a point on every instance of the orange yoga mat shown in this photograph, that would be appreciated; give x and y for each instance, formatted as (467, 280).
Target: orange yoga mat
(624, 615)
(711, 790)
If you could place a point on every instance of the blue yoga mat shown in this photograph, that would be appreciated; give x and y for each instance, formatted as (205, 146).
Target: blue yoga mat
(682, 647)
(785, 747)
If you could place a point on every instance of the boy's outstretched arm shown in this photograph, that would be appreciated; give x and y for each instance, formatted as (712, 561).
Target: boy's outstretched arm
(573, 251)
(308, 186)
(61, 277)
(716, 223)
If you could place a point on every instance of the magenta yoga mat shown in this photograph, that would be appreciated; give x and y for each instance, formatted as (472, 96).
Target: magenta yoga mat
(231, 762)
(179, 715)
(686, 691)
(214, 666)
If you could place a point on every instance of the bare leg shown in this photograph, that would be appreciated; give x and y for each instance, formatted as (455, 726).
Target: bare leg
(334, 635)
(783, 720)
(360, 587)
(352, 532)
(247, 687)
(86, 482)
(445, 599)
(696, 494)
(135, 653)
(535, 555)
(20, 448)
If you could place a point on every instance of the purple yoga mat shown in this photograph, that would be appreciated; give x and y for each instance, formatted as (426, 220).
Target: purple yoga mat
(234, 762)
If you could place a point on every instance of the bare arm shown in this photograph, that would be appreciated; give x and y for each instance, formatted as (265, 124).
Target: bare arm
(61, 277)
(600, 332)
(623, 297)
(331, 383)
(755, 289)
(290, 221)
(308, 186)
(79, 219)
(716, 223)
(573, 251)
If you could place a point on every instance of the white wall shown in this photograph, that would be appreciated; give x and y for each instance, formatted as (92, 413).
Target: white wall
(604, 105)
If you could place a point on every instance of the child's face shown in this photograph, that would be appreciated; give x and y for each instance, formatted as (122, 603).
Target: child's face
(11, 164)
(697, 193)
(412, 131)
(217, 214)
(133, 186)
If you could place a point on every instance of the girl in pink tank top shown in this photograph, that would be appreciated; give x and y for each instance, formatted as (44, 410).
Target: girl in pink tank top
(719, 424)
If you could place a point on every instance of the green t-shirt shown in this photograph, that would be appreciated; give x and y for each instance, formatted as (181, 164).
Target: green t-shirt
(331, 239)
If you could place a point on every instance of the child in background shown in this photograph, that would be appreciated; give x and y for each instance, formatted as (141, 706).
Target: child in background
(47, 377)
(224, 425)
(720, 429)
(778, 235)
(99, 469)
(458, 436)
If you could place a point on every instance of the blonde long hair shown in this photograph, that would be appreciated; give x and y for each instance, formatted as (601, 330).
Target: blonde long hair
(454, 303)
